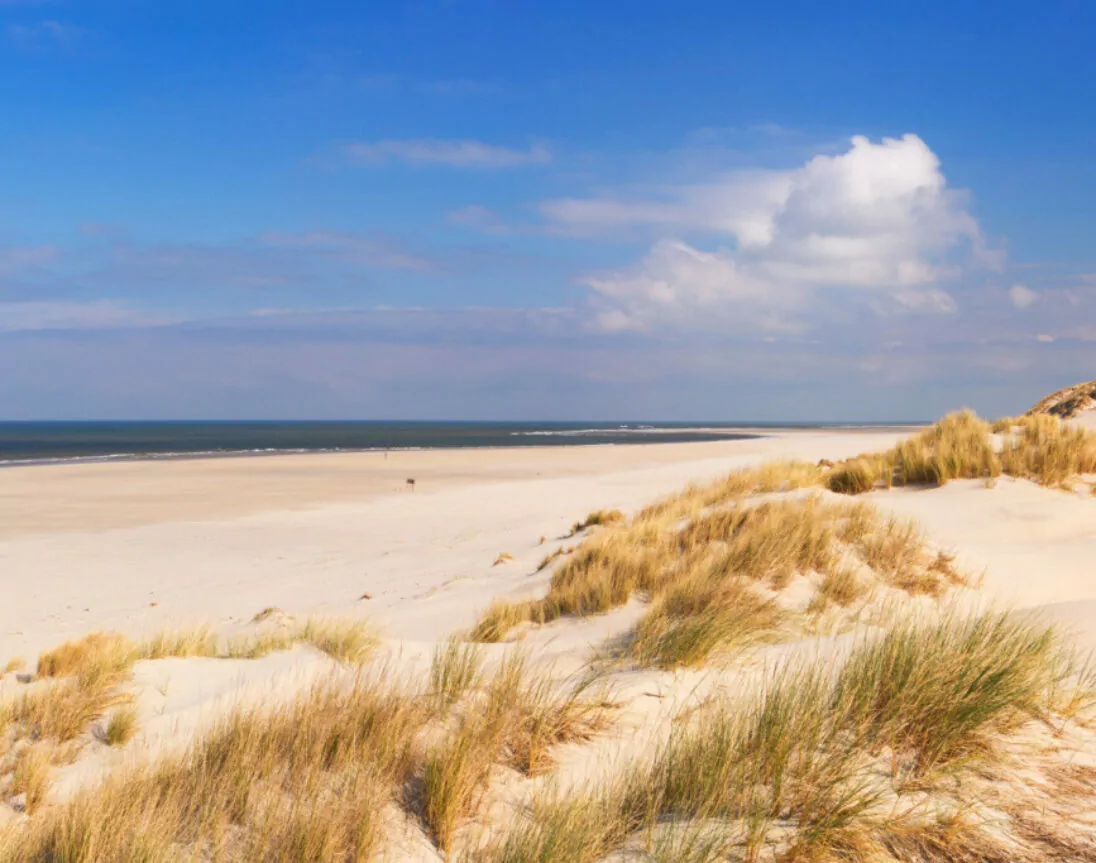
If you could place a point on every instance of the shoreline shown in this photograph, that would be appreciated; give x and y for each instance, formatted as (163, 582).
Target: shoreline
(643, 437)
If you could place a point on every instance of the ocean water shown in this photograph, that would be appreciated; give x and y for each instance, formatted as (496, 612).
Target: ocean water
(44, 442)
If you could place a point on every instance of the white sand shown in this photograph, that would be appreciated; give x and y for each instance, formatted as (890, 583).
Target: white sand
(136, 547)
(139, 546)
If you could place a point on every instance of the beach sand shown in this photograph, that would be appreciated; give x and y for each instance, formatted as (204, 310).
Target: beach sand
(137, 547)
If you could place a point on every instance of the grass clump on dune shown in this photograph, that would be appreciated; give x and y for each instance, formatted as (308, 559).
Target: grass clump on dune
(1045, 450)
(121, 727)
(816, 765)
(99, 655)
(514, 722)
(306, 782)
(597, 518)
(81, 681)
(959, 446)
(454, 669)
(687, 624)
(712, 578)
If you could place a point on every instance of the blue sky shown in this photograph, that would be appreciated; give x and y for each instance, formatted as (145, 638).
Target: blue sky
(559, 210)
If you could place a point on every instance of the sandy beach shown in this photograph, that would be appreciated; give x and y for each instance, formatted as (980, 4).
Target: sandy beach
(137, 546)
(146, 547)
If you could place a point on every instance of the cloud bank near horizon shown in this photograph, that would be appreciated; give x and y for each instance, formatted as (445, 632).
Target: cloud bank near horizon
(749, 293)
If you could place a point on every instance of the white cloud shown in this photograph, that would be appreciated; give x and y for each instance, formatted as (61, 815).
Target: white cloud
(930, 300)
(878, 218)
(675, 283)
(455, 154)
(1022, 296)
(1045, 338)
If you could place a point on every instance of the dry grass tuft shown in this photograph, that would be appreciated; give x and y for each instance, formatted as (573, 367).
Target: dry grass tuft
(16, 664)
(182, 643)
(347, 641)
(351, 642)
(503, 557)
(597, 518)
(515, 722)
(696, 618)
(841, 587)
(501, 617)
(454, 670)
(121, 727)
(99, 655)
(546, 561)
(31, 774)
(959, 446)
(1048, 452)
(82, 681)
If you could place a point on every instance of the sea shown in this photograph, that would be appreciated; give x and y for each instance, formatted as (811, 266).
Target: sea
(49, 442)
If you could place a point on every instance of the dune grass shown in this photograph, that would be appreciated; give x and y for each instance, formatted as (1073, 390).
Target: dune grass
(1045, 450)
(816, 764)
(121, 727)
(309, 780)
(454, 669)
(959, 446)
(597, 518)
(713, 575)
(514, 722)
(306, 782)
(15, 664)
(83, 680)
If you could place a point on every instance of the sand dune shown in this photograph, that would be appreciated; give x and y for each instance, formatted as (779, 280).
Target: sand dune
(135, 548)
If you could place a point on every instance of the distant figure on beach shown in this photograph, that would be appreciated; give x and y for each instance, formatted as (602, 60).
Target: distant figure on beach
(411, 484)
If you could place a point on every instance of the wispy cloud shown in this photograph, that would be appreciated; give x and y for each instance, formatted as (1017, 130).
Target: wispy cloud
(63, 315)
(366, 250)
(43, 36)
(454, 154)
(14, 259)
(1021, 296)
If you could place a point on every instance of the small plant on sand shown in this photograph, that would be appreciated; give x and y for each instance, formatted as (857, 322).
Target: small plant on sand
(99, 655)
(454, 670)
(546, 561)
(514, 722)
(351, 641)
(31, 774)
(121, 726)
(599, 517)
(12, 665)
(698, 617)
(182, 643)
(840, 586)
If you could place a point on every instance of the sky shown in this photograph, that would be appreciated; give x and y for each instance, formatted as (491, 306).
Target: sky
(493, 209)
